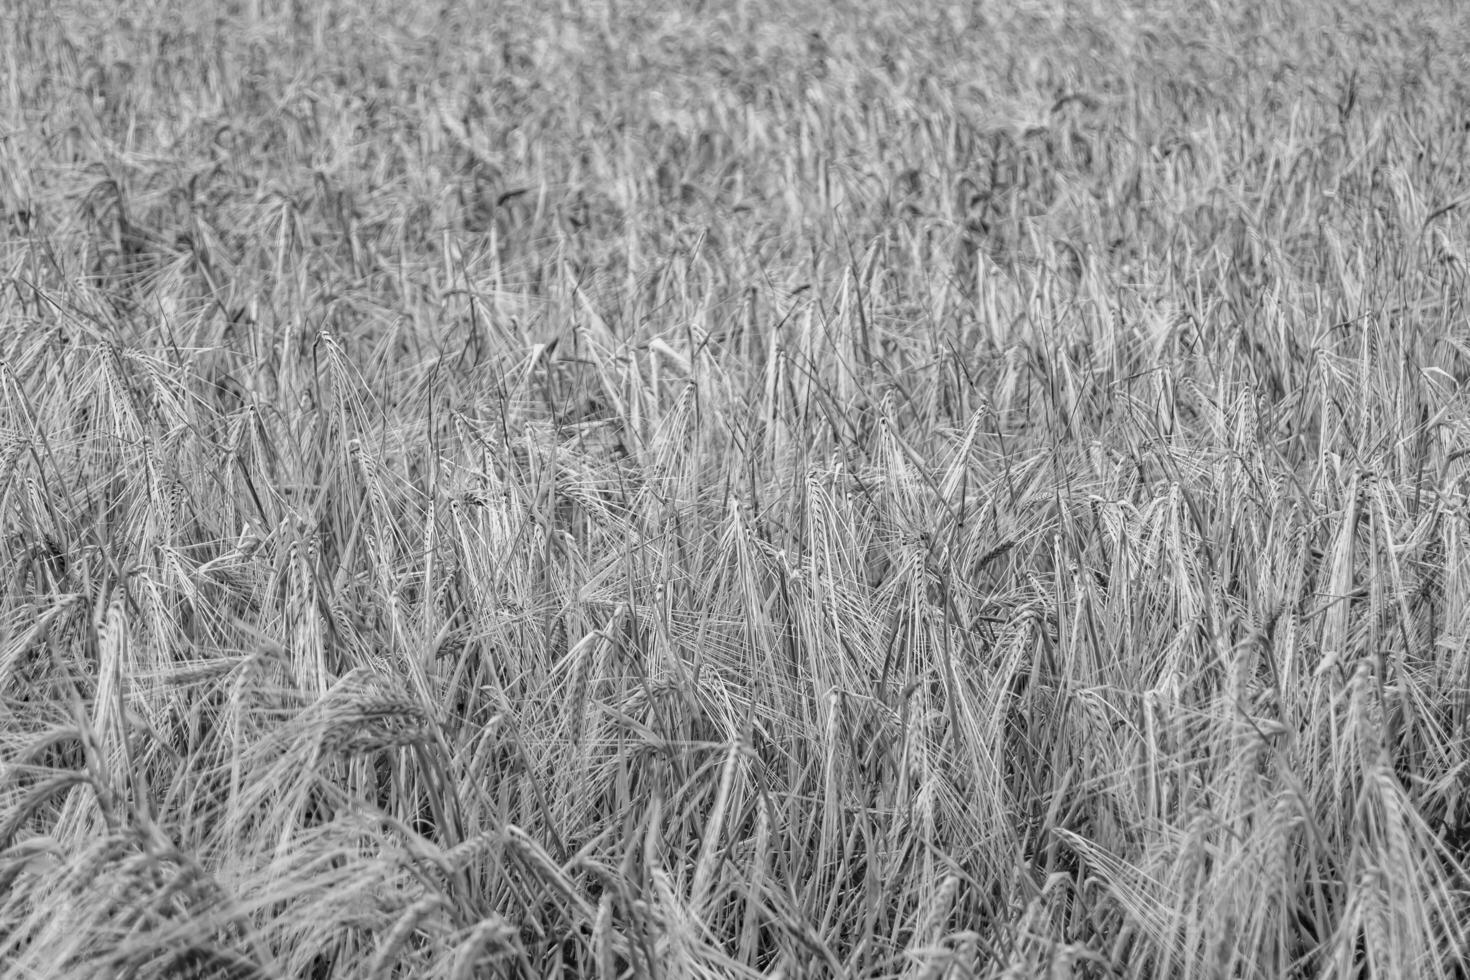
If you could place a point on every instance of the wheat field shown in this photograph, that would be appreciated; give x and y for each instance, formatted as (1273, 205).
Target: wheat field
(680, 490)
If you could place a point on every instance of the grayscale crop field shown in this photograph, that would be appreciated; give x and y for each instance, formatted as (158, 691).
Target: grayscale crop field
(770, 488)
